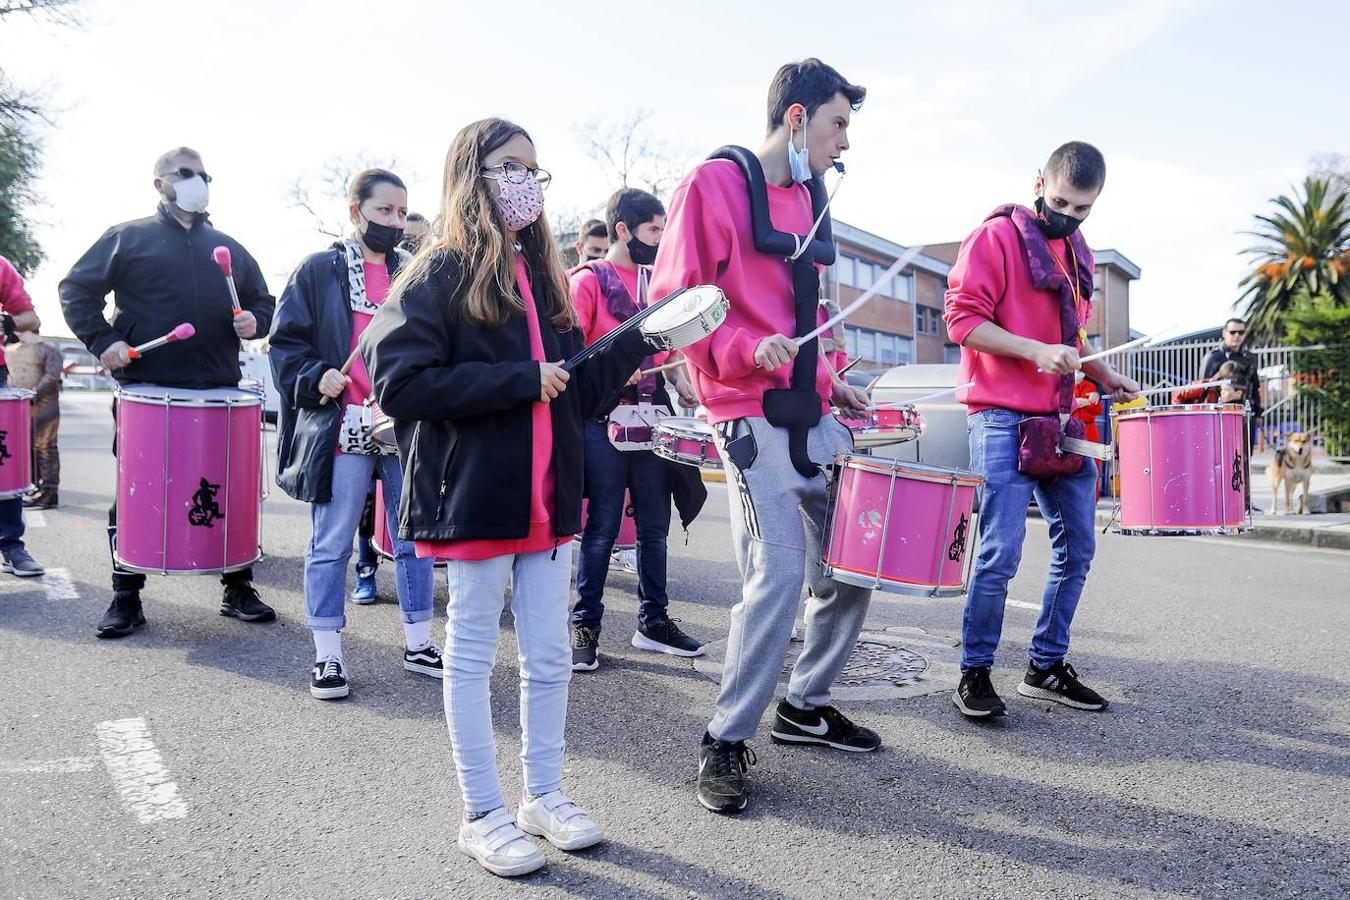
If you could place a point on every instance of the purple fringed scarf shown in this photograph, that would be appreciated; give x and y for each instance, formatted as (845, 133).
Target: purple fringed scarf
(1046, 275)
(623, 306)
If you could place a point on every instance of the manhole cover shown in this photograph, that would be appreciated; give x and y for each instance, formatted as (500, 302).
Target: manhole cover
(891, 664)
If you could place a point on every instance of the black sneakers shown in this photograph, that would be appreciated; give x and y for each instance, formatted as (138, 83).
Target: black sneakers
(242, 602)
(721, 774)
(585, 649)
(426, 661)
(123, 616)
(664, 636)
(975, 695)
(823, 725)
(1060, 684)
(328, 681)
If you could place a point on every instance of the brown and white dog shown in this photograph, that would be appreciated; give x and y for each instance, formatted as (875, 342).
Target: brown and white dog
(1291, 467)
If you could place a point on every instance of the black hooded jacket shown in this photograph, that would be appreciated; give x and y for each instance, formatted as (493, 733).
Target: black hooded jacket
(461, 398)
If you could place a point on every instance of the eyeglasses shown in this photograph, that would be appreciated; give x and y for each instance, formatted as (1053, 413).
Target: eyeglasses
(516, 173)
(185, 173)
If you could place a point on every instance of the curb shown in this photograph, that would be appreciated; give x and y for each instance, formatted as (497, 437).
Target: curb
(1307, 537)
(717, 476)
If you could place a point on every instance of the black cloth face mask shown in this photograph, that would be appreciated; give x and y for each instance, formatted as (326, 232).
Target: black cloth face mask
(641, 254)
(1054, 225)
(381, 238)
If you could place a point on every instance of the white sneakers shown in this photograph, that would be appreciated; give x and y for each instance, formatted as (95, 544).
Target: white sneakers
(499, 846)
(555, 817)
(499, 843)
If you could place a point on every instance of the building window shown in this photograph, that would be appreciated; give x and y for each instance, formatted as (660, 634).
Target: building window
(903, 287)
(867, 345)
(851, 341)
(951, 354)
(843, 269)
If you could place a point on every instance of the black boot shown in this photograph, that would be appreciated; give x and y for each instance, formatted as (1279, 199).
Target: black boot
(123, 615)
(242, 602)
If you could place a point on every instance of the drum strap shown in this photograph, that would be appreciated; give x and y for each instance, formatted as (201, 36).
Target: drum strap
(623, 306)
(797, 408)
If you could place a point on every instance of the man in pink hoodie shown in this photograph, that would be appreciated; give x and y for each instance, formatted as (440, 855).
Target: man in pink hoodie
(744, 221)
(1018, 297)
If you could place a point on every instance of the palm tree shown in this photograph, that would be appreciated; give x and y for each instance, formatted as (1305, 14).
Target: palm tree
(1303, 256)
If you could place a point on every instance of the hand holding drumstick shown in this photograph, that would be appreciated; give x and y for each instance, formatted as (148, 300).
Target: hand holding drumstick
(335, 381)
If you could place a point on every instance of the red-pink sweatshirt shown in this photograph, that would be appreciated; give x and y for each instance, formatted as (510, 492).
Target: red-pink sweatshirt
(377, 288)
(592, 307)
(542, 480)
(991, 282)
(13, 297)
(708, 241)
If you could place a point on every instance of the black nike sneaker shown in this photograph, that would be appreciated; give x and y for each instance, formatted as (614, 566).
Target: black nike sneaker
(823, 725)
(721, 774)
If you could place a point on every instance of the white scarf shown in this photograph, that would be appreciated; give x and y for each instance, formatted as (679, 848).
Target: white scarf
(356, 278)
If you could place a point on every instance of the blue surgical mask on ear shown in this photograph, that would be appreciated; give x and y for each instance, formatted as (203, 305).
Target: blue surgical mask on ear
(799, 161)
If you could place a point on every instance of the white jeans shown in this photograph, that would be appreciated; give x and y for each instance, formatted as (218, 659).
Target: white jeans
(539, 601)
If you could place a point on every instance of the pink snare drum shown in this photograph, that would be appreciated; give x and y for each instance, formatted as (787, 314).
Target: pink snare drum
(687, 441)
(1183, 470)
(189, 471)
(885, 426)
(627, 539)
(16, 442)
(900, 527)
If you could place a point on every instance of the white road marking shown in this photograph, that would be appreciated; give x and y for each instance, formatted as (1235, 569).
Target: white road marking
(48, 766)
(34, 518)
(1020, 604)
(138, 771)
(58, 585)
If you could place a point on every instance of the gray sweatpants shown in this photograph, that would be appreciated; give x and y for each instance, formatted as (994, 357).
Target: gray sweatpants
(777, 524)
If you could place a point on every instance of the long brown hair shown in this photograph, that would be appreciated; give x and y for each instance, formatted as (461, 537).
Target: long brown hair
(469, 227)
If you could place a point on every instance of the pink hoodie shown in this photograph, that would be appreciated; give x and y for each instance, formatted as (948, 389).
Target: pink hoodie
(708, 241)
(991, 282)
(13, 297)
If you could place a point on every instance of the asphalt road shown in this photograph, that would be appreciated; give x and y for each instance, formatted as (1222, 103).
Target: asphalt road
(190, 760)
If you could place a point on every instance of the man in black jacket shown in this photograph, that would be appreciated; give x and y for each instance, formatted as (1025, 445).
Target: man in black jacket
(161, 273)
(1234, 336)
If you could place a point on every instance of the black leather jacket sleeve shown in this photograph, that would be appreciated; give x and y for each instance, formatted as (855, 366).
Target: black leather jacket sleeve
(295, 361)
(84, 293)
(408, 348)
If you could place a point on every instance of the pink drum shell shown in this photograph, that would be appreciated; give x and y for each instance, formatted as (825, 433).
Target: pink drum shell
(627, 539)
(931, 509)
(1176, 470)
(16, 438)
(686, 446)
(168, 440)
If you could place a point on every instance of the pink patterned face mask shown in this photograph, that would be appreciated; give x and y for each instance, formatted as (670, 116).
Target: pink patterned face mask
(519, 204)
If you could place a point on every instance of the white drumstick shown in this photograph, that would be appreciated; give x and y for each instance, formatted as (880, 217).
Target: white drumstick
(899, 404)
(1186, 387)
(905, 259)
(1130, 345)
(664, 368)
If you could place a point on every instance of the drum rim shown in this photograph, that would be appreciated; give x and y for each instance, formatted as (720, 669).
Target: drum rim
(716, 298)
(679, 431)
(1181, 531)
(938, 474)
(15, 393)
(1184, 409)
(128, 394)
(859, 578)
(701, 462)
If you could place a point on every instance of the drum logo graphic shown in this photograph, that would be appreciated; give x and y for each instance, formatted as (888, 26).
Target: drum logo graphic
(204, 509)
(4, 447)
(1237, 470)
(870, 523)
(958, 546)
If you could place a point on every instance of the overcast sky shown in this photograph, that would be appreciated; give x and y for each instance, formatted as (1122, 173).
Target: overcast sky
(1204, 110)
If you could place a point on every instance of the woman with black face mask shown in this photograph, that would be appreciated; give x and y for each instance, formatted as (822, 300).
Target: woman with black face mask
(326, 455)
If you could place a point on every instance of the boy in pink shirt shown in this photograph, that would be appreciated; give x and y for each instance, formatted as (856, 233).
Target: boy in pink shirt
(1018, 297)
(741, 221)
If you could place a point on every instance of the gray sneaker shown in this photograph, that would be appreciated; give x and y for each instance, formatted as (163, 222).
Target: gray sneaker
(18, 562)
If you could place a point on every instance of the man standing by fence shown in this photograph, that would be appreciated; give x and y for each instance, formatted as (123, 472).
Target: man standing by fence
(1234, 336)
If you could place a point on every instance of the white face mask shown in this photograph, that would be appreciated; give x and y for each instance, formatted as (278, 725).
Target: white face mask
(191, 194)
(799, 161)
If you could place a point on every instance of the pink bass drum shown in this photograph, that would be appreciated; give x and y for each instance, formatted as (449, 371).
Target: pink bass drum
(900, 527)
(1183, 470)
(627, 539)
(189, 477)
(380, 540)
(16, 442)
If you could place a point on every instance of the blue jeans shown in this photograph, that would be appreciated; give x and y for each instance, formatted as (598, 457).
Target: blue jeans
(330, 547)
(1068, 506)
(11, 510)
(647, 479)
(366, 557)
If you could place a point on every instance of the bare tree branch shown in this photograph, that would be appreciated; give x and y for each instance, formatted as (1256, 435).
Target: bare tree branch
(60, 11)
(630, 156)
(324, 195)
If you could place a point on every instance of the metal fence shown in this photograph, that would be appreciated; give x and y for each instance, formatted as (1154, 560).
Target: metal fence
(1286, 408)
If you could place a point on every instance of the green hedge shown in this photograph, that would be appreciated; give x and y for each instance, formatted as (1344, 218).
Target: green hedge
(1324, 374)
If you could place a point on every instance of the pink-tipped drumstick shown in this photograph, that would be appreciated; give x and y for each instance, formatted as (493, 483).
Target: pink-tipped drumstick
(222, 257)
(181, 333)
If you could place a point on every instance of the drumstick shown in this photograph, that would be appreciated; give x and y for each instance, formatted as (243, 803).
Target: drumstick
(346, 367)
(1137, 342)
(603, 343)
(181, 333)
(903, 403)
(663, 368)
(222, 257)
(905, 259)
(1185, 387)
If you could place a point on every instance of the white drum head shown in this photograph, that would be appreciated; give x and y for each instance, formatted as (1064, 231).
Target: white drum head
(701, 301)
(685, 426)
